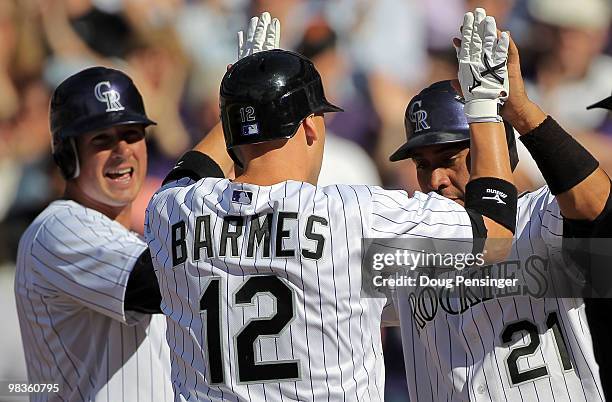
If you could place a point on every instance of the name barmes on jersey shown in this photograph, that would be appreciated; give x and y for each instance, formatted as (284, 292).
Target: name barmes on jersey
(259, 236)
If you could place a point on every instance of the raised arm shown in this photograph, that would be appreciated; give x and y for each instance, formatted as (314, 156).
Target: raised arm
(573, 175)
(483, 77)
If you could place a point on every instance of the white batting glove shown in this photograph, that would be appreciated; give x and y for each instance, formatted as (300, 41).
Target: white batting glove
(483, 71)
(263, 33)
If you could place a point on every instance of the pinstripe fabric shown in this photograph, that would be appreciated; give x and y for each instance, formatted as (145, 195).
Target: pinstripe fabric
(72, 269)
(461, 357)
(333, 333)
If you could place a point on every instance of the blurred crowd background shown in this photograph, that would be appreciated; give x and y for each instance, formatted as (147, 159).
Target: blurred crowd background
(373, 55)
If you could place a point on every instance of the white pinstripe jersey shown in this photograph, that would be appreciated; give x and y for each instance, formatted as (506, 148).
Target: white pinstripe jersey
(72, 269)
(262, 285)
(546, 355)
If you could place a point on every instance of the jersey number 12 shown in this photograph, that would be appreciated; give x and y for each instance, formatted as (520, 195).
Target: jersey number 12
(248, 369)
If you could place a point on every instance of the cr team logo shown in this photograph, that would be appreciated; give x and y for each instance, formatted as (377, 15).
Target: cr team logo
(106, 94)
(418, 117)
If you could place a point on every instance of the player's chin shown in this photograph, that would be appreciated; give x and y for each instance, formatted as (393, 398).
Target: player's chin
(120, 201)
(122, 196)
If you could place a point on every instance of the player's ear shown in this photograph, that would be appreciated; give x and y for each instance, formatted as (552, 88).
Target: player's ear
(310, 129)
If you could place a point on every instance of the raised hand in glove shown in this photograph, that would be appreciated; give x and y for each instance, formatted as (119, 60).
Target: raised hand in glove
(483, 72)
(263, 33)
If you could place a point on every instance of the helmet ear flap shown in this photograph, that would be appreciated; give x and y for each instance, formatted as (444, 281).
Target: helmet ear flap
(66, 157)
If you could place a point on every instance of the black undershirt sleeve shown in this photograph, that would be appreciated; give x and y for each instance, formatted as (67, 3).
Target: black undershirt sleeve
(142, 293)
(599, 227)
(196, 166)
(593, 255)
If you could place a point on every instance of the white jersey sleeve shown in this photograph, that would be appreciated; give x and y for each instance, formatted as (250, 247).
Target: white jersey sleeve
(539, 216)
(88, 257)
(395, 214)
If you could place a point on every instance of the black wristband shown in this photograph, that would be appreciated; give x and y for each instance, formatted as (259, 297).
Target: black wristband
(561, 159)
(494, 198)
(195, 165)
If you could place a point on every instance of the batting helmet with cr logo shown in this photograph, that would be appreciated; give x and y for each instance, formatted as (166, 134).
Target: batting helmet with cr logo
(435, 116)
(90, 100)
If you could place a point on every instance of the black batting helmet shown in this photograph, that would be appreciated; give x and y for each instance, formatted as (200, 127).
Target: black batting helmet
(265, 97)
(435, 116)
(90, 100)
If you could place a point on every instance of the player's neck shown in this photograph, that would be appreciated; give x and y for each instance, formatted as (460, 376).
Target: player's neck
(268, 178)
(266, 171)
(121, 214)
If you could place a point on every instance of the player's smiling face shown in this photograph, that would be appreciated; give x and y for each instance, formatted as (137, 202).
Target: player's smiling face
(113, 164)
(443, 169)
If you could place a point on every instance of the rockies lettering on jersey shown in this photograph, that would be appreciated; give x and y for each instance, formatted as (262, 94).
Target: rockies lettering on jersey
(73, 266)
(519, 347)
(262, 284)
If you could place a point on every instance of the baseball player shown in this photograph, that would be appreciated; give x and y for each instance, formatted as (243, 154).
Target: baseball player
(84, 286)
(598, 308)
(261, 276)
(513, 348)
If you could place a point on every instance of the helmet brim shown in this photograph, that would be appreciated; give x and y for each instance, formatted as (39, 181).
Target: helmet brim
(327, 107)
(438, 138)
(603, 104)
(99, 122)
